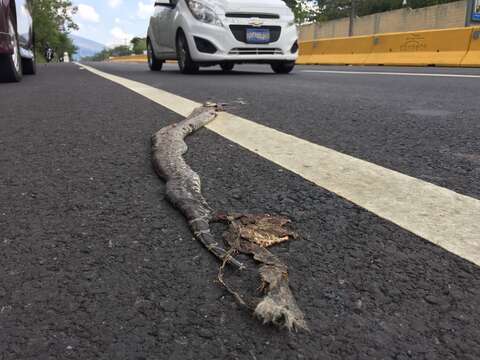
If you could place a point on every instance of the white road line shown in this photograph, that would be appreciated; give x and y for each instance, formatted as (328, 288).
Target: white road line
(391, 73)
(439, 215)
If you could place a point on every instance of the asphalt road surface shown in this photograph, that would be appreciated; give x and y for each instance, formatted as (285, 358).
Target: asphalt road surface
(96, 264)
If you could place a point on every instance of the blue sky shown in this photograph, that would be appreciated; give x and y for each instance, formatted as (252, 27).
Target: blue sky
(112, 22)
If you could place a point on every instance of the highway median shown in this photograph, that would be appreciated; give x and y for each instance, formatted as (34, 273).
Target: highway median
(454, 47)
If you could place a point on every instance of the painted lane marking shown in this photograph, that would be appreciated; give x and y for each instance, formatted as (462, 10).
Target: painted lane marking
(391, 73)
(439, 215)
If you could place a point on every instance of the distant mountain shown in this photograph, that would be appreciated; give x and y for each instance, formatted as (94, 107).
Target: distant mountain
(85, 47)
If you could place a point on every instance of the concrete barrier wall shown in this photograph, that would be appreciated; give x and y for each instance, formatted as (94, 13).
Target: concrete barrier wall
(473, 55)
(131, 58)
(136, 58)
(329, 29)
(443, 16)
(436, 47)
(348, 50)
(448, 47)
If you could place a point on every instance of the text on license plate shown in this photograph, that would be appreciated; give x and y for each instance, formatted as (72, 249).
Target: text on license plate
(258, 36)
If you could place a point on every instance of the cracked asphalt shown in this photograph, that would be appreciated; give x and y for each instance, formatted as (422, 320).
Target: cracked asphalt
(96, 264)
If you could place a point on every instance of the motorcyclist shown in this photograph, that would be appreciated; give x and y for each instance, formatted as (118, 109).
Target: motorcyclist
(49, 53)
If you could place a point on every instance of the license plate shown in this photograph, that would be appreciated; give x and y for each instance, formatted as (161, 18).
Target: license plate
(258, 36)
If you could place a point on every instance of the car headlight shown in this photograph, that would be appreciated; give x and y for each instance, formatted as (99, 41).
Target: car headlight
(203, 13)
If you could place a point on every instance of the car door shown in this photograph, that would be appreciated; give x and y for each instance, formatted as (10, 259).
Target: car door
(24, 28)
(169, 40)
(161, 24)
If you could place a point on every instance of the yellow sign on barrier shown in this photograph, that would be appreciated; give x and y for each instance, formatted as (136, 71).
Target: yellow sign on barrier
(434, 47)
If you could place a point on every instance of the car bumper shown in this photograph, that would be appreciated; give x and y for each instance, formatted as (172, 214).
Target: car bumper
(5, 43)
(228, 48)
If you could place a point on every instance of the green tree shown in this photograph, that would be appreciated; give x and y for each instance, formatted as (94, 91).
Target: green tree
(139, 45)
(304, 10)
(121, 50)
(101, 56)
(105, 54)
(65, 45)
(52, 21)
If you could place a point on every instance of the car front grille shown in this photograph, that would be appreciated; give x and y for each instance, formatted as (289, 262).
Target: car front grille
(240, 32)
(252, 15)
(255, 51)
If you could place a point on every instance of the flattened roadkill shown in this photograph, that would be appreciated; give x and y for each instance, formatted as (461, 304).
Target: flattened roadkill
(273, 301)
(96, 265)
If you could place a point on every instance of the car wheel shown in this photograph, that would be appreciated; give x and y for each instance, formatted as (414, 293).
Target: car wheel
(284, 67)
(185, 62)
(29, 66)
(153, 63)
(11, 65)
(227, 67)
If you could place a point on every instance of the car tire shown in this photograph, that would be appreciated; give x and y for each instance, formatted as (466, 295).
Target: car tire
(29, 66)
(153, 63)
(185, 62)
(227, 67)
(284, 67)
(11, 65)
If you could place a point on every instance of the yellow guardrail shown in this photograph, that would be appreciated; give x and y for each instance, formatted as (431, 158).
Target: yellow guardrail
(338, 51)
(135, 58)
(130, 58)
(449, 47)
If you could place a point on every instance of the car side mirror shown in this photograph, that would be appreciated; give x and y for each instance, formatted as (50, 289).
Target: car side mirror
(165, 3)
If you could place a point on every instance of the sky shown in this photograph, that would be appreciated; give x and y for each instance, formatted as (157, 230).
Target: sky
(112, 22)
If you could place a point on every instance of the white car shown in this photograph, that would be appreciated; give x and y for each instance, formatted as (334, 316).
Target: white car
(222, 32)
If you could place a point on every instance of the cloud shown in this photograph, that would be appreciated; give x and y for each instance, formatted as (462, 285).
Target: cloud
(119, 36)
(114, 3)
(88, 13)
(145, 10)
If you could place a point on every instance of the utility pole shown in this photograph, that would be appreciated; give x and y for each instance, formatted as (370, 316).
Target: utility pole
(353, 15)
(469, 12)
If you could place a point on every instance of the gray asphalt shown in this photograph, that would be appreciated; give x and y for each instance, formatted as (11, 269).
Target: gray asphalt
(421, 126)
(97, 265)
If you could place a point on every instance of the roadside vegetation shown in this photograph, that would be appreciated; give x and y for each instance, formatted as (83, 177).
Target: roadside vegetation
(137, 46)
(52, 22)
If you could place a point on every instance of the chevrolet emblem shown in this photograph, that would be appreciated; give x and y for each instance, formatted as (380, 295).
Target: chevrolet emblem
(257, 22)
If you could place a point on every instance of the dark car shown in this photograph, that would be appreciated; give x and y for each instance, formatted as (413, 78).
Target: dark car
(17, 55)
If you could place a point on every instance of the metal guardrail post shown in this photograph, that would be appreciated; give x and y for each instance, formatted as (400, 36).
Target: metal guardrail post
(353, 15)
